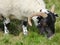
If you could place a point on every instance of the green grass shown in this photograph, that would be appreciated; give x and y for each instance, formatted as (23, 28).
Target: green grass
(16, 36)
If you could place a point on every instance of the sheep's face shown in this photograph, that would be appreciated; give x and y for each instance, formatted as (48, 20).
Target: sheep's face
(47, 24)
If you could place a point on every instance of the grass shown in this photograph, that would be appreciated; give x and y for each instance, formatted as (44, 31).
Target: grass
(16, 36)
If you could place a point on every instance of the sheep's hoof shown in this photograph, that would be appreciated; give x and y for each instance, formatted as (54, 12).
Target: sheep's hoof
(25, 33)
(6, 32)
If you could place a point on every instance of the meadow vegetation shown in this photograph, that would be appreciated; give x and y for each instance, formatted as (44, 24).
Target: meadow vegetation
(16, 36)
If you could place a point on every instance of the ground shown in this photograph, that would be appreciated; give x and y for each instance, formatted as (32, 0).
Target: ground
(16, 36)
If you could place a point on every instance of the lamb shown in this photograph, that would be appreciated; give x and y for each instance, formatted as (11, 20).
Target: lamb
(21, 10)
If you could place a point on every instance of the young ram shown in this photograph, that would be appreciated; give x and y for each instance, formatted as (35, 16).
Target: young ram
(21, 10)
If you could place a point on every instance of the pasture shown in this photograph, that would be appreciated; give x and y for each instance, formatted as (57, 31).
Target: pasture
(16, 36)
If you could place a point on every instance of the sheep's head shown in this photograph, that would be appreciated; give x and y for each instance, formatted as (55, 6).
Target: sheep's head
(43, 13)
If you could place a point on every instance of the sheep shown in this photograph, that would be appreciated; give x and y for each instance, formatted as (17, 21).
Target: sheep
(46, 24)
(21, 10)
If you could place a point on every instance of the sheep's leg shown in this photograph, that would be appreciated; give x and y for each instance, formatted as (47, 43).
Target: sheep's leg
(24, 27)
(6, 22)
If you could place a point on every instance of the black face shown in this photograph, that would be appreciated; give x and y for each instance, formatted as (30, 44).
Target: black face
(51, 17)
(47, 24)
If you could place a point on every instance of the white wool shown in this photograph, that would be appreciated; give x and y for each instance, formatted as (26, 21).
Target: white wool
(5, 6)
(20, 8)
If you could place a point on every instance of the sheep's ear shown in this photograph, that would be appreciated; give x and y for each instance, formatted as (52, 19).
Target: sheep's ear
(52, 8)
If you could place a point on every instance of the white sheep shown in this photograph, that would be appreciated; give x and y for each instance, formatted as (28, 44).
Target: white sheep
(21, 10)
